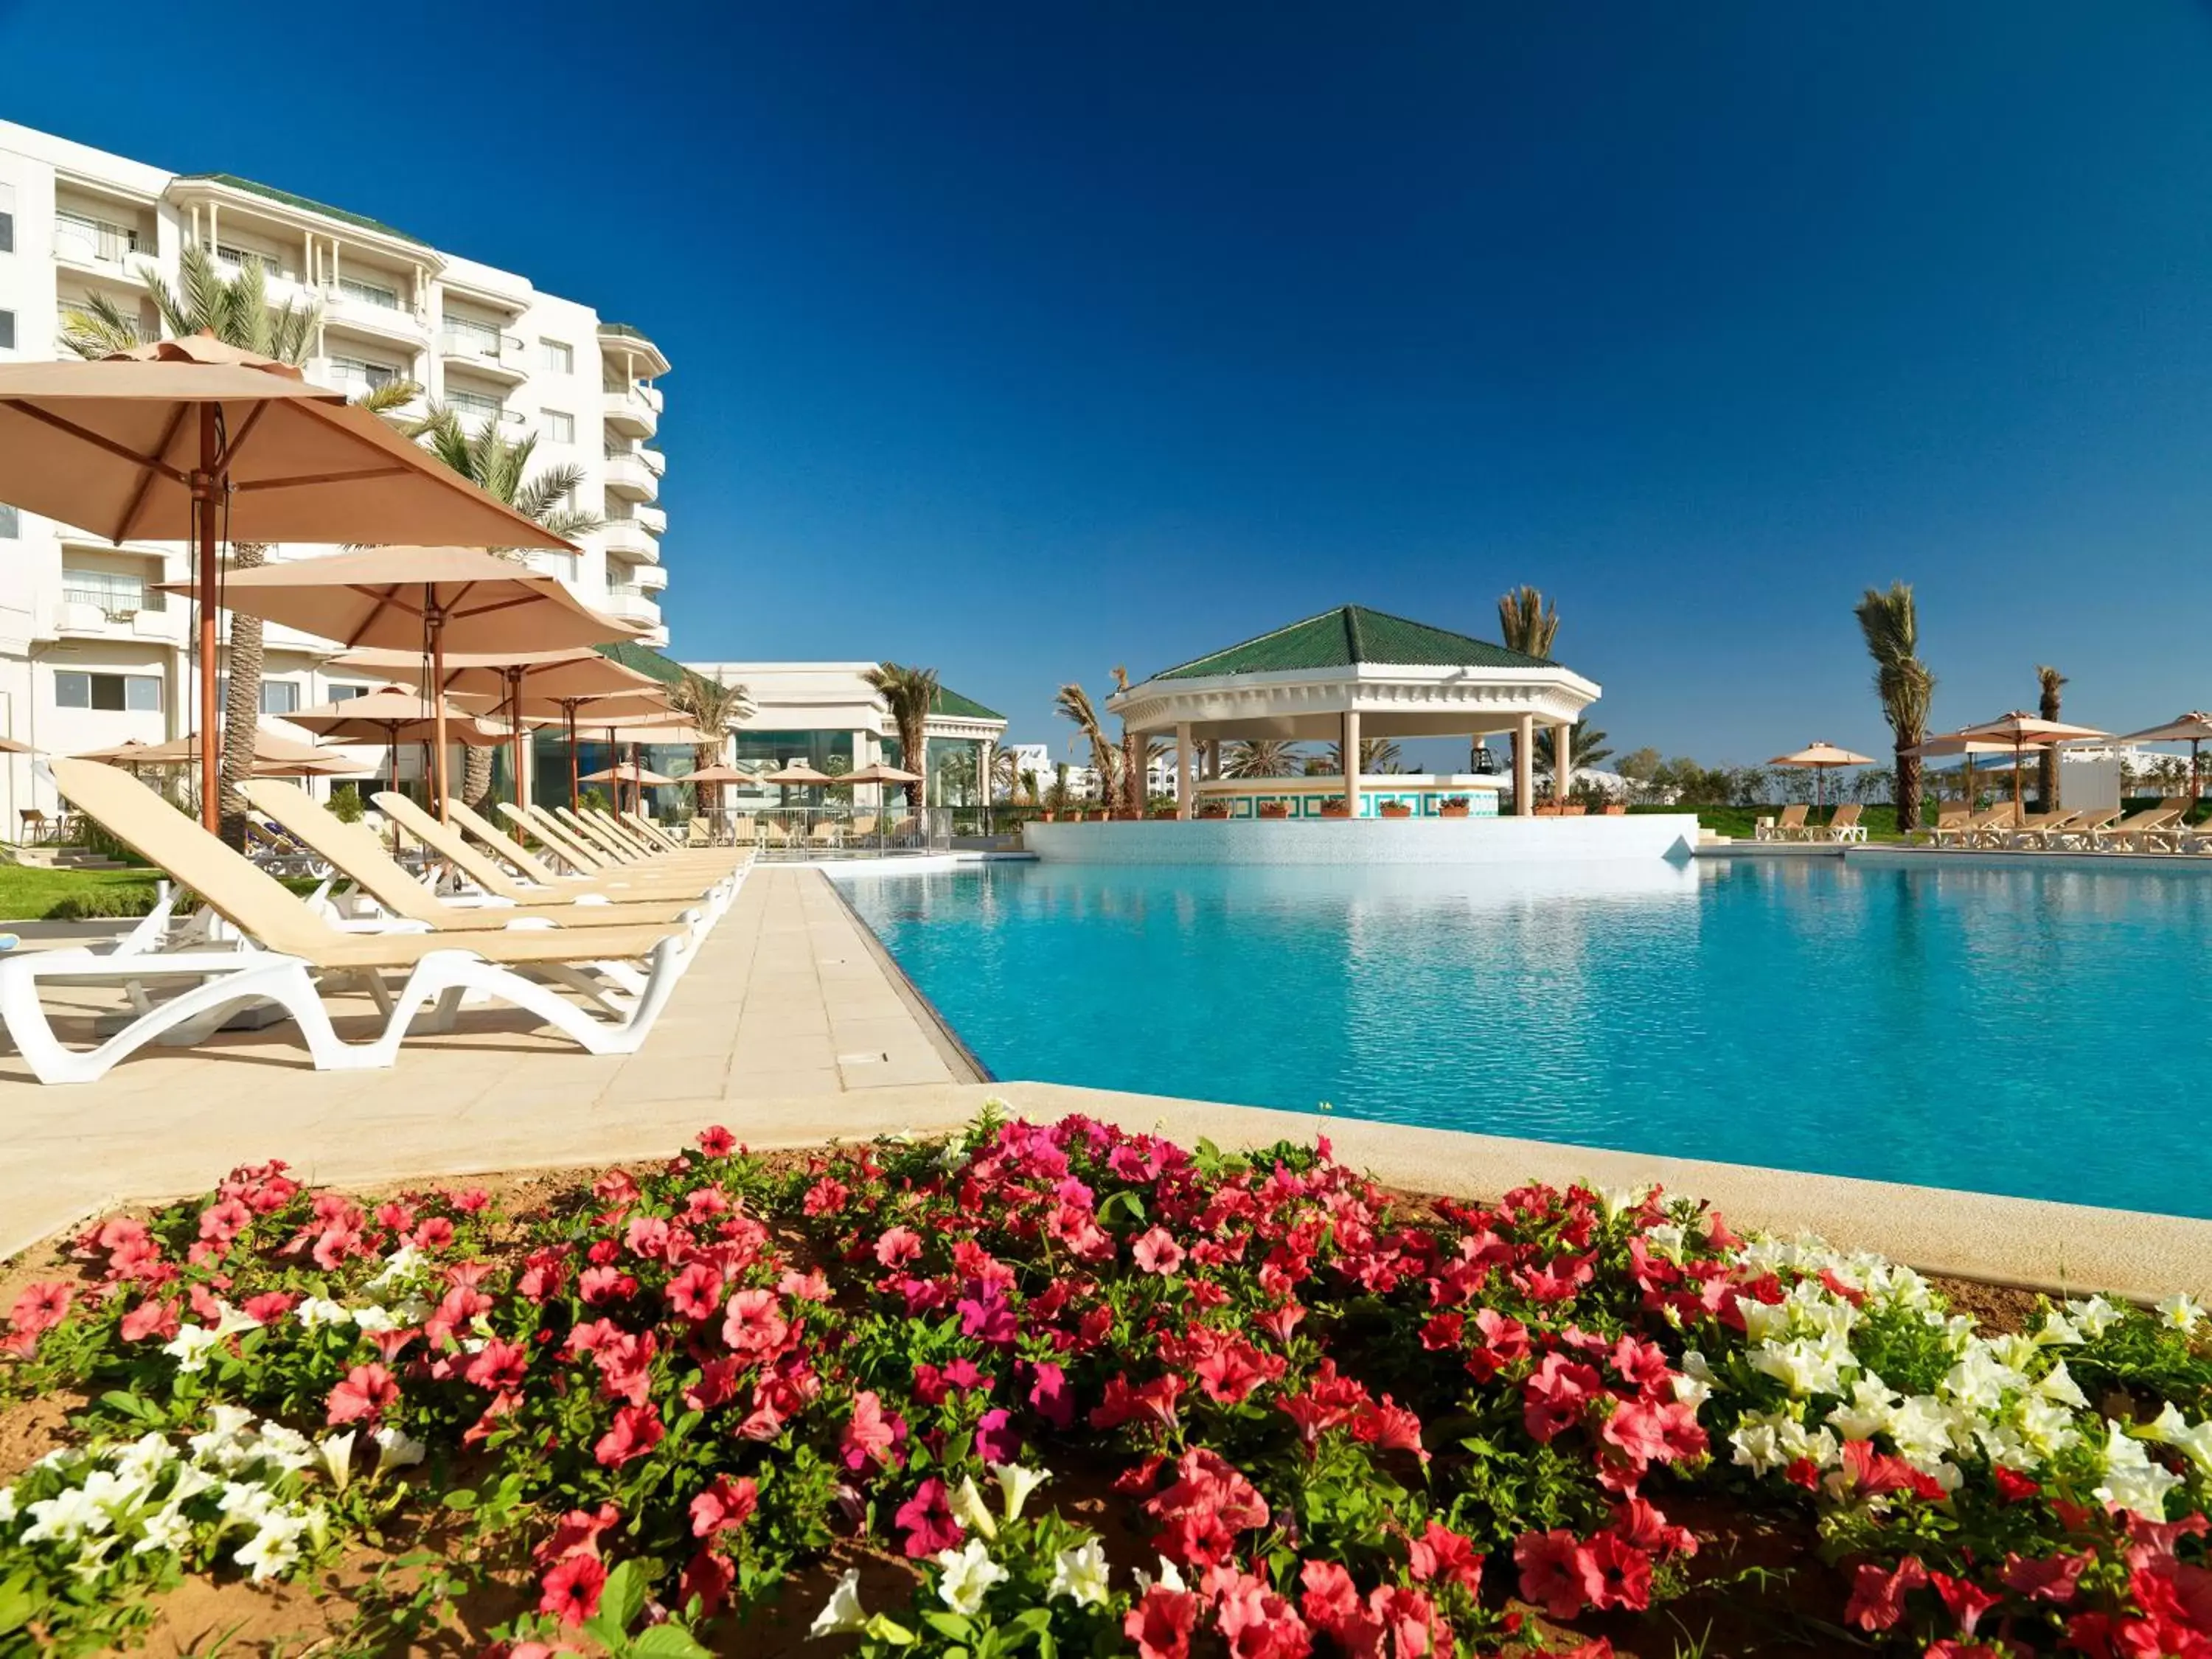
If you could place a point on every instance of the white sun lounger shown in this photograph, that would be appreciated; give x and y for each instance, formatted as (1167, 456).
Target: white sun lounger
(288, 950)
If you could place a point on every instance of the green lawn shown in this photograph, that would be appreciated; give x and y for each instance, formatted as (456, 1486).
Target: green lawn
(29, 894)
(1741, 822)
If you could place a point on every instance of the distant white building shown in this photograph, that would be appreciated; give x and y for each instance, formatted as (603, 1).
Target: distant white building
(1043, 760)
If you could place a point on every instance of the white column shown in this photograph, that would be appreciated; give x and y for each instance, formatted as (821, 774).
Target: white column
(1352, 762)
(1562, 762)
(1524, 766)
(1184, 787)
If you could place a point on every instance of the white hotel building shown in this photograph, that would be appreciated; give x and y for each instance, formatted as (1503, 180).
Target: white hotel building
(90, 654)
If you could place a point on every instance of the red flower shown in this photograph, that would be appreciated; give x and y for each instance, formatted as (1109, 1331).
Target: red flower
(898, 1246)
(755, 1326)
(498, 1365)
(724, 1506)
(1966, 1602)
(1503, 1341)
(869, 1436)
(570, 1590)
(1877, 1598)
(2051, 1580)
(1552, 1572)
(716, 1141)
(223, 1221)
(1440, 1553)
(470, 1200)
(2013, 1486)
(41, 1307)
(1156, 1252)
(578, 1529)
(636, 1430)
(599, 1285)
(708, 1577)
(366, 1390)
(926, 1519)
(1161, 1622)
(1256, 1622)
(695, 1292)
(148, 1318)
(1555, 1394)
(1615, 1574)
(1229, 1374)
(1389, 1427)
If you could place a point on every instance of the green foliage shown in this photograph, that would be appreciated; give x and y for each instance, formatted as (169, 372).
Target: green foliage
(346, 803)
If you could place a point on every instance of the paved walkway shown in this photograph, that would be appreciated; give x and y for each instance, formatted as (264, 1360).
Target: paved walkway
(792, 1029)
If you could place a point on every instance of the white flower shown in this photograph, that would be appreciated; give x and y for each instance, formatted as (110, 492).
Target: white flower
(842, 1610)
(403, 1263)
(1691, 1391)
(2195, 1442)
(317, 1311)
(2131, 1480)
(231, 1321)
(69, 1514)
(166, 1528)
(372, 1319)
(1757, 1446)
(2181, 1311)
(2095, 1316)
(1171, 1578)
(335, 1454)
(241, 1504)
(395, 1449)
(1764, 1321)
(1803, 1367)
(1079, 1574)
(1868, 1413)
(191, 1347)
(1694, 1365)
(1018, 1483)
(285, 1447)
(968, 1509)
(2059, 1385)
(1664, 1239)
(274, 1550)
(2057, 1328)
(1618, 1201)
(8, 1510)
(145, 1458)
(1980, 1380)
(967, 1575)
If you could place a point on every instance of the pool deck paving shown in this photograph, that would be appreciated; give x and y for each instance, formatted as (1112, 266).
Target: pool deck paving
(792, 1028)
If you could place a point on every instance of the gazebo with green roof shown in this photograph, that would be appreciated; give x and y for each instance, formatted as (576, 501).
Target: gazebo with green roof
(1351, 674)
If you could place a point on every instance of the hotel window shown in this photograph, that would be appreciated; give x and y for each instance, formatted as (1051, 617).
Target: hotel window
(7, 331)
(278, 696)
(114, 593)
(472, 405)
(139, 694)
(11, 524)
(243, 257)
(346, 693)
(561, 428)
(7, 232)
(556, 356)
(374, 294)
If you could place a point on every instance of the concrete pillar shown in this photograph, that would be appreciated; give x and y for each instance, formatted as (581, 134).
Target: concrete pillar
(1184, 787)
(1352, 762)
(1563, 761)
(1524, 766)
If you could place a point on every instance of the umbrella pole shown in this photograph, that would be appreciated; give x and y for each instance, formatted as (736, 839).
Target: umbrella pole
(514, 739)
(204, 499)
(438, 709)
(573, 793)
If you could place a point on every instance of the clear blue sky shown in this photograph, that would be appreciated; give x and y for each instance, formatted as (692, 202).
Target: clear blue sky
(1025, 339)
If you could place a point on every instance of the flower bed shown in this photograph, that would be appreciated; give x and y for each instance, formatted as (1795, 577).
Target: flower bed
(1068, 1391)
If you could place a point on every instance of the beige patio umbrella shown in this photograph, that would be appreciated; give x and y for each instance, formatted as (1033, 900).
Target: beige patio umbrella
(630, 772)
(197, 441)
(393, 716)
(547, 684)
(2191, 728)
(2024, 731)
(1941, 747)
(393, 597)
(10, 746)
(1821, 758)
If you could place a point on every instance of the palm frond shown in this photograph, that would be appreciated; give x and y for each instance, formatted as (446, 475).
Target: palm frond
(391, 395)
(1528, 621)
(99, 327)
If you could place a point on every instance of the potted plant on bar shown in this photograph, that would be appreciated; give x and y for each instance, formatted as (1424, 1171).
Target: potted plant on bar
(1333, 807)
(1393, 809)
(1454, 806)
(1214, 809)
(1275, 809)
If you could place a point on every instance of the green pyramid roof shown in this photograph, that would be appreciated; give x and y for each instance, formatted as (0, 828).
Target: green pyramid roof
(1349, 635)
(952, 705)
(305, 202)
(630, 655)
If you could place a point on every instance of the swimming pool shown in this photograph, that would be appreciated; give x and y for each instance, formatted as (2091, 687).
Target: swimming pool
(2037, 1032)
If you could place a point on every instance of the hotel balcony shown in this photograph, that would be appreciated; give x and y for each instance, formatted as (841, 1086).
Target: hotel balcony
(79, 616)
(627, 411)
(102, 246)
(626, 540)
(494, 355)
(654, 518)
(629, 605)
(655, 462)
(374, 311)
(630, 477)
(650, 578)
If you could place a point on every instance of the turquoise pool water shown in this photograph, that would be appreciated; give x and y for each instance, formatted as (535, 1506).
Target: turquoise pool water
(2036, 1032)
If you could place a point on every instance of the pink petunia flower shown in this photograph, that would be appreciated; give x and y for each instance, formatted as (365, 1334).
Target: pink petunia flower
(365, 1394)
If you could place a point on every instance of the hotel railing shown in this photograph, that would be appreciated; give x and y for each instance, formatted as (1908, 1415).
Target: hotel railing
(811, 832)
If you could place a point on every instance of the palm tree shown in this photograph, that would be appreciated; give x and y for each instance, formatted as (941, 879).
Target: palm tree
(501, 468)
(1106, 757)
(236, 310)
(1585, 748)
(1377, 755)
(1006, 774)
(713, 708)
(910, 695)
(2049, 681)
(1529, 624)
(1261, 758)
(1133, 769)
(1891, 623)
